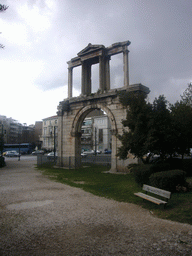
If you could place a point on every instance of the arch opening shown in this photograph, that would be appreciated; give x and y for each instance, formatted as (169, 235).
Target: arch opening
(94, 129)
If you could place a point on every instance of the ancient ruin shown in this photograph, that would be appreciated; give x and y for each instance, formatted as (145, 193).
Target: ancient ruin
(73, 110)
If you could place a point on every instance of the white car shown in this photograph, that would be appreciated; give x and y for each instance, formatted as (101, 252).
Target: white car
(12, 153)
(83, 154)
(51, 155)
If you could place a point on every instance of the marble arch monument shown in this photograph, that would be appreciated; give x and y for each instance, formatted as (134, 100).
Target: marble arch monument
(73, 110)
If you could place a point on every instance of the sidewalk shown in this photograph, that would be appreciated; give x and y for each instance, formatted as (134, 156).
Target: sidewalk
(41, 217)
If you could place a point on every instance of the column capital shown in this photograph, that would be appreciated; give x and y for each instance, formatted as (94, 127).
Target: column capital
(126, 51)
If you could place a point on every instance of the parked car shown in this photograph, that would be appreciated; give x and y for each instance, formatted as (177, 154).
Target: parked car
(12, 154)
(51, 155)
(90, 152)
(38, 152)
(83, 154)
(106, 151)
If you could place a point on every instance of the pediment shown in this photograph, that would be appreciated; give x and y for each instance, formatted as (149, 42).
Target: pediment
(90, 48)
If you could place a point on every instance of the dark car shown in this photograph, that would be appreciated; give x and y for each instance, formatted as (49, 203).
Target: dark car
(106, 151)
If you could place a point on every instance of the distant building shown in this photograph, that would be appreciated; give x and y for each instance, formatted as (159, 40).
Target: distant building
(96, 133)
(101, 133)
(10, 129)
(14, 132)
(87, 134)
(49, 133)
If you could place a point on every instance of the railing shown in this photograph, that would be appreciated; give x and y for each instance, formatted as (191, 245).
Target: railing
(72, 162)
(97, 159)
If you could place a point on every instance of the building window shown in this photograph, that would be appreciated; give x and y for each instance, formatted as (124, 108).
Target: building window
(45, 143)
(55, 121)
(45, 131)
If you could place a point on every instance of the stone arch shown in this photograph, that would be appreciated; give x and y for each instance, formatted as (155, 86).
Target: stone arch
(82, 113)
(71, 115)
(73, 110)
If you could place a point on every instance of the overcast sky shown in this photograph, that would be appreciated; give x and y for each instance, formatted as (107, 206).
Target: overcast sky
(40, 36)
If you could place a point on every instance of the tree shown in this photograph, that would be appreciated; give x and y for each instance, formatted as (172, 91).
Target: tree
(181, 115)
(148, 127)
(136, 125)
(160, 138)
(2, 9)
(187, 95)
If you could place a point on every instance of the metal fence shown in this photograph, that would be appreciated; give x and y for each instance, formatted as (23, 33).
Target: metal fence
(97, 159)
(42, 159)
(72, 162)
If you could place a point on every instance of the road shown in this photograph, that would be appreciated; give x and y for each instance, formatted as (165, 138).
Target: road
(41, 217)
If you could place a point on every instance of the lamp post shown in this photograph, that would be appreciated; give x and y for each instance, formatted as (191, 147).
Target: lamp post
(54, 143)
(1, 139)
(95, 141)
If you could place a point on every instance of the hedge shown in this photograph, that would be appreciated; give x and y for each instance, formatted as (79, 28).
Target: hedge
(168, 180)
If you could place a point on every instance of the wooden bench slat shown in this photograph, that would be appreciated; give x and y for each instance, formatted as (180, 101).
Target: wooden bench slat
(157, 191)
(150, 198)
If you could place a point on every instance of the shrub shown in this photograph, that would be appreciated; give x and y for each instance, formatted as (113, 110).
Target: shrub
(186, 188)
(168, 180)
(2, 161)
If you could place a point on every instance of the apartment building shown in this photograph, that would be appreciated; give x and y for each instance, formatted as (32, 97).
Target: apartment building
(49, 133)
(96, 133)
(14, 132)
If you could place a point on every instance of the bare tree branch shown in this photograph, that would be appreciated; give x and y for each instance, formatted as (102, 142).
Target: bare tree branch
(3, 7)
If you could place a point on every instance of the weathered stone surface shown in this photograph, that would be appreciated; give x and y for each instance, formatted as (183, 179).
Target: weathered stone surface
(72, 111)
(69, 144)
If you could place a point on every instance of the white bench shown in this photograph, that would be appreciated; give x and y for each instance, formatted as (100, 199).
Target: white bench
(160, 192)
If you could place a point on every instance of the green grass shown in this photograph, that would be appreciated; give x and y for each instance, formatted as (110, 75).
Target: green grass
(121, 187)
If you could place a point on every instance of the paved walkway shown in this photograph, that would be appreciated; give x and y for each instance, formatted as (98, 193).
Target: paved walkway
(42, 217)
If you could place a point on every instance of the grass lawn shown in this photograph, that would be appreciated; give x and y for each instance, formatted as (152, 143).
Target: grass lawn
(121, 187)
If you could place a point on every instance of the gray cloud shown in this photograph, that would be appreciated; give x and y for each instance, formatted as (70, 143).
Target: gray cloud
(160, 34)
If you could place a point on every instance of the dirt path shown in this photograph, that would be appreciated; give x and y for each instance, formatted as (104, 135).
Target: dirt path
(42, 217)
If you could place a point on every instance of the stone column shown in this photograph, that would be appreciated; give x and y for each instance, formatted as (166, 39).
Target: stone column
(107, 68)
(126, 67)
(70, 82)
(86, 78)
(101, 73)
(83, 75)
